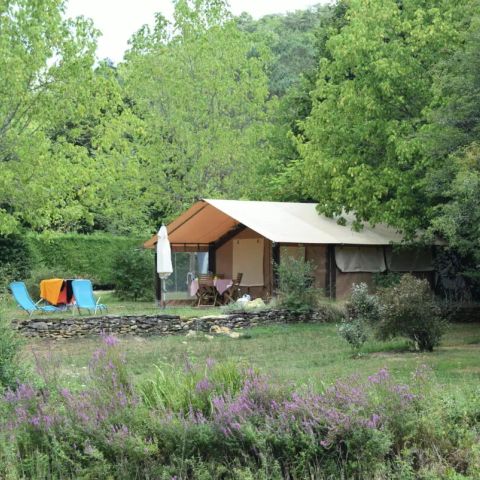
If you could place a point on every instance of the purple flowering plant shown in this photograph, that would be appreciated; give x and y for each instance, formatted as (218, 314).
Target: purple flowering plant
(219, 408)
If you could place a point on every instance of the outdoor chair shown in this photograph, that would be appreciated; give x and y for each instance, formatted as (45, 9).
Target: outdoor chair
(233, 292)
(25, 302)
(207, 293)
(83, 294)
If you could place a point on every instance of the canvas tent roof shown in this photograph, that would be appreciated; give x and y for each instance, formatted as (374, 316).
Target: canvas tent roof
(282, 222)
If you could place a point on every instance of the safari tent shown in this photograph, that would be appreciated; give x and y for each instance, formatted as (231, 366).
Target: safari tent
(251, 237)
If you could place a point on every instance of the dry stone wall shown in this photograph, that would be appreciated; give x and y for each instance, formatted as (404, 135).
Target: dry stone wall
(144, 325)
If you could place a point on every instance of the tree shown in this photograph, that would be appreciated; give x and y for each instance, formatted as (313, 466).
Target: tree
(201, 91)
(291, 39)
(451, 140)
(360, 150)
(453, 115)
(66, 157)
(41, 55)
(296, 105)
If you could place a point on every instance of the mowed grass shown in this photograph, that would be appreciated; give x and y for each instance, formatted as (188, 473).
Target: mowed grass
(9, 309)
(302, 354)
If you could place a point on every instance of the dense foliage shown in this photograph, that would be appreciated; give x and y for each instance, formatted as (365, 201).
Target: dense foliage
(63, 152)
(15, 259)
(409, 309)
(211, 105)
(90, 256)
(295, 288)
(11, 368)
(34, 257)
(206, 125)
(132, 274)
(406, 308)
(362, 313)
(227, 421)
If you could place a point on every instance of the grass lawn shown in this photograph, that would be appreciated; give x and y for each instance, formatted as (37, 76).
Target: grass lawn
(9, 309)
(302, 354)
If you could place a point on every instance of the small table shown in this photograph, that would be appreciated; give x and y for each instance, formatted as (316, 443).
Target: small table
(220, 285)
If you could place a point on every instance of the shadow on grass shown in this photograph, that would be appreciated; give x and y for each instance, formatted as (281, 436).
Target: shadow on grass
(392, 346)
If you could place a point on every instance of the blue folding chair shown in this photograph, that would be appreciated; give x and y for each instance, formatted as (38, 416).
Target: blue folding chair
(83, 293)
(24, 301)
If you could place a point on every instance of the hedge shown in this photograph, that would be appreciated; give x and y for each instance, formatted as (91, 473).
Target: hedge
(15, 259)
(90, 256)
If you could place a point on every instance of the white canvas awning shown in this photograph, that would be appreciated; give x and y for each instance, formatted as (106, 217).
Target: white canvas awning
(207, 221)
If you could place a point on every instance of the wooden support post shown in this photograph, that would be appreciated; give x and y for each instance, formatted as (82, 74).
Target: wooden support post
(275, 264)
(211, 258)
(156, 282)
(331, 277)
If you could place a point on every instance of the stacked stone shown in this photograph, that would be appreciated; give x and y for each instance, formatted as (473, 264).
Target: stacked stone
(85, 326)
(144, 325)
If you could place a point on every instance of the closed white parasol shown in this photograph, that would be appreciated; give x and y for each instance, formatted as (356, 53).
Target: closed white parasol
(164, 259)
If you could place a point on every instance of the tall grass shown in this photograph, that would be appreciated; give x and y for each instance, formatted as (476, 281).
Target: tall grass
(221, 420)
(180, 390)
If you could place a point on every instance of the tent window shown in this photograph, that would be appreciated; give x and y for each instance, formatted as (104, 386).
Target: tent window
(360, 259)
(409, 259)
(248, 259)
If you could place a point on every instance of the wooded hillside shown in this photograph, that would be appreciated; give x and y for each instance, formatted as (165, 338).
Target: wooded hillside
(366, 107)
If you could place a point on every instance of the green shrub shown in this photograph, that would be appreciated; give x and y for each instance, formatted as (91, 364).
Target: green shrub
(331, 312)
(15, 259)
(410, 310)
(386, 279)
(173, 389)
(10, 368)
(362, 310)
(362, 305)
(87, 256)
(7, 275)
(355, 332)
(295, 285)
(133, 274)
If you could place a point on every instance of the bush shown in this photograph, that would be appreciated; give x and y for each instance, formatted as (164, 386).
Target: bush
(355, 332)
(178, 390)
(386, 279)
(331, 312)
(133, 274)
(15, 259)
(222, 421)
(10, 368)
(410, 310)
(295, 285)
(362, 311)
(362, 305)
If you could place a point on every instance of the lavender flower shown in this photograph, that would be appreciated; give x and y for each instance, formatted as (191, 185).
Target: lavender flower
(380, 377)
(109, 340)
(210, 362)
(203, 386)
